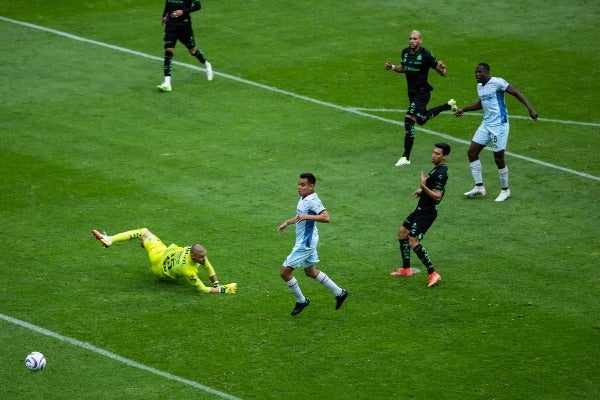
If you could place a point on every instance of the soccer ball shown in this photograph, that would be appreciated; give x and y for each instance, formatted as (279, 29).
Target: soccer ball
(35, 361)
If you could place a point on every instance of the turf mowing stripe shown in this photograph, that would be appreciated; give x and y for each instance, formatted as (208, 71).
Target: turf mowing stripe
(353, 110)
(117, 357)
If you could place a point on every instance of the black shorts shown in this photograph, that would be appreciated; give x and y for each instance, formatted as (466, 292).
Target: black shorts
(418, 103)
(419, 222)
(179, 31)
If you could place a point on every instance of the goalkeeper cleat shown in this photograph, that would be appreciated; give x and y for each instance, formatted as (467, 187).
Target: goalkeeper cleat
(477, 191)
(216, 284)
(300, 306)
(103, 238)
(402, 272)
(339, 300)
(209, 71)
(434, 278)
(164, 88)
(452, 104)
(230, 288)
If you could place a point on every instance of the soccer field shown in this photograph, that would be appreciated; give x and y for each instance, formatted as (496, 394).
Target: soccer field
(88, 143)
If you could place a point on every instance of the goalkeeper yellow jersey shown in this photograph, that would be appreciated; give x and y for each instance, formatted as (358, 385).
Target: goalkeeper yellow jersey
(176, 262)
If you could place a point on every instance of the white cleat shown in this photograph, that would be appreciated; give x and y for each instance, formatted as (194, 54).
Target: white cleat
(452, 104)
(477, 191)
(209, 71)
(402, 162)
(504, 194)
(164, 87)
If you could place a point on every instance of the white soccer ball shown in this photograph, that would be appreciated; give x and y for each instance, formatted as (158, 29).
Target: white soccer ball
(35, 361)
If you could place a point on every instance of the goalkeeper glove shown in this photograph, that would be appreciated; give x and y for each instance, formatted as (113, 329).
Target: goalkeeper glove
(230, 288)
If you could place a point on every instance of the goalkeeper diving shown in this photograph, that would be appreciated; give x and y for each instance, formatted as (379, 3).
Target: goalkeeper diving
(172, 262)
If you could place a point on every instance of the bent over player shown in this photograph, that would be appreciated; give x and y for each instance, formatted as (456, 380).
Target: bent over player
(430, 193)
(178, 26)
(172, 262)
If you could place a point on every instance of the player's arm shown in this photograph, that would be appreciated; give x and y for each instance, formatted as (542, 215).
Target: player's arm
(194, 6)
(472, 107)
(434, 195)
(513, 91)
(210, 271)
(391, 67)
(285, 224)
(323, 216)
(193, 279)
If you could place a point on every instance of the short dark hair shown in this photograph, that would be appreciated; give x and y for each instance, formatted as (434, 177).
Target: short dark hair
(485, 66)
(444, 146)
(309, 177)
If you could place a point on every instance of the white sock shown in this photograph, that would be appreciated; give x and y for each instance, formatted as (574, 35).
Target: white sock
(323, 279)
(503, 177)
(295, 289)
(167, 81)
(476, 172)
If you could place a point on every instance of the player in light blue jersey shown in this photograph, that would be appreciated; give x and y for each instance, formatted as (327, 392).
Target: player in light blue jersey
(493, 129)
(304, 255)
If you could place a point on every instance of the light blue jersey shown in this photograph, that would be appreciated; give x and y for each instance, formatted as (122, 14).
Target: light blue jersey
(492, 100)
(307, 233)
(304, 254)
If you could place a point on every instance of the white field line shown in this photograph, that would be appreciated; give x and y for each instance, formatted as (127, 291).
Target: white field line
(472, 114)
(353, 110)
(115, 357)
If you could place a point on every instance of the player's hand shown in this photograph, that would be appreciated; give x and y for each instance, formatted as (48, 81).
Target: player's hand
(533, 114)
(230, 288)
(441, 68)
(388, 65)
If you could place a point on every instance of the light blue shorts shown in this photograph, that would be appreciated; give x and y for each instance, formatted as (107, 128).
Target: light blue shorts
(497, 135)
(302, 256)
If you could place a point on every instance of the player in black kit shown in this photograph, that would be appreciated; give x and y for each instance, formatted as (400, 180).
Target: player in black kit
(430, 193)
(415, 64)
(178, 26)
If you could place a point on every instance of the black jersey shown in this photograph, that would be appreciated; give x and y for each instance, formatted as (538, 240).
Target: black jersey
(416, 67)
(187, 6)
(436, 180)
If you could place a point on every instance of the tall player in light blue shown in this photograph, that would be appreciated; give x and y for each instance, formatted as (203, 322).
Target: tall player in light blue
(493, 129)
(304, 255)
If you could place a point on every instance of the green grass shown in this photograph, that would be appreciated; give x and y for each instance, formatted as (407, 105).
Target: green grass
(88, 143)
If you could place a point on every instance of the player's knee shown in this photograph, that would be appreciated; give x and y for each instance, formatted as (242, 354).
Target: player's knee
(413, 241)
(168, 52)
(402, 233)
(193, 50)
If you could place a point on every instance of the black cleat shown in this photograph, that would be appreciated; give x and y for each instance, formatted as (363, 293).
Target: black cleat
(300, 306)
(339, 300)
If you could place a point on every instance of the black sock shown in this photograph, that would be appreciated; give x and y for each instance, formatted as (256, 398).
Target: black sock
(405, 253)
(200, 56)
(424, 257)
(168, 63)
(436, 110)
(409, 138)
